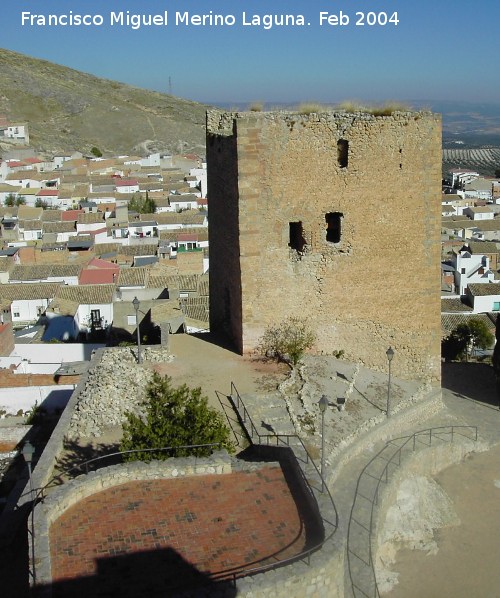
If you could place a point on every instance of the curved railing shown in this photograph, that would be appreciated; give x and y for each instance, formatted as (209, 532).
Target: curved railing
(38, 494)
(317, 490)
(285, 440)
(377, 471)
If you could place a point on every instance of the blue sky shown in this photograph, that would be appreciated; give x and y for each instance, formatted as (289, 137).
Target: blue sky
(440, 49)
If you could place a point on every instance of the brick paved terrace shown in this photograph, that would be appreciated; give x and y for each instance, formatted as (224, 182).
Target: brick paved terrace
(153, 537)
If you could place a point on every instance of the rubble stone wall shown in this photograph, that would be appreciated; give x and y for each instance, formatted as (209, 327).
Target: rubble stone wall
(334, 217)
(115, 385)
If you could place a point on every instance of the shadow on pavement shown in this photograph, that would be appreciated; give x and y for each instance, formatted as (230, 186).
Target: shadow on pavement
(475, 381)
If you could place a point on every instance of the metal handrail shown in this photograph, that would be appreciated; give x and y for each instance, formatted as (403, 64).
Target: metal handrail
(384, 477)
(278, 438)
(39, 493)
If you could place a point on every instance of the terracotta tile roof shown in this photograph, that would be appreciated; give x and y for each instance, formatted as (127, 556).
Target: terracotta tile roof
(72, 215)
(103, 248)
(454, 305)
(97, 276)
(96, 263)
(28, 292)
(90, 218)
(28, 213)
(484, 290)
(132, 277)
(30, 225)
(450, 321)
(204, 285)
(483, 247)
(87, 294)
(196, 308)
(187, 217)
(140, 249)
(52, 215)
(157, 281)
(48, 193)
(6, 263)
(126, 182)
(184, 282)
(43, 271)
(59, 227)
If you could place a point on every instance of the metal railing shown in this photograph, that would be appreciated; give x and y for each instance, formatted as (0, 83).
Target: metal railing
(39, 494)
(378, 471)
(285, 440)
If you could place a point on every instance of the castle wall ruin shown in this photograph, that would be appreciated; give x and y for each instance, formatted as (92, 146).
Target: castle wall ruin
(333, 217)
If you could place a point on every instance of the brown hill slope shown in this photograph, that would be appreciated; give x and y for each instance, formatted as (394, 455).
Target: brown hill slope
(69, 110)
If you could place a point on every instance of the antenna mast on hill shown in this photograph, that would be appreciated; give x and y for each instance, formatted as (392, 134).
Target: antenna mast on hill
(170, 85)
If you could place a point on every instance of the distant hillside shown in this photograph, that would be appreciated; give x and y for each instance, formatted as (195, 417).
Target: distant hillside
(69, 110)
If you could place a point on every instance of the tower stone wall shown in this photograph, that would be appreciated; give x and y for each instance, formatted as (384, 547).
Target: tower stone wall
(333, 217)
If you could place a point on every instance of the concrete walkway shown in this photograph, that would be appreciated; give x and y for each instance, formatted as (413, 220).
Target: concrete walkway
(458, 410)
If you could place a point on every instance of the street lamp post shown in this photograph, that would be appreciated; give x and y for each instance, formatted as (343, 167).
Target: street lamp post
(28, 452)
(390, 356)
(323, 403)
(136, 303)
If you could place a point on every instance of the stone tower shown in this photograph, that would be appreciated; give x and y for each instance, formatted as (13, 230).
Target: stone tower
(334, 217)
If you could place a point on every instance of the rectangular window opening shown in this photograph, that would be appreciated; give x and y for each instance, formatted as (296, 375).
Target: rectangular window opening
(296, 239)
(342, 152)
(333, 226)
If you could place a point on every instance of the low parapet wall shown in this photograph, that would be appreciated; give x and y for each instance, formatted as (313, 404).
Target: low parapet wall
(71, 493)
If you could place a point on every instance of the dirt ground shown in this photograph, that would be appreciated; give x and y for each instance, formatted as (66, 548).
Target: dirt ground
(201, 362)
(216, 367)
(466, 564)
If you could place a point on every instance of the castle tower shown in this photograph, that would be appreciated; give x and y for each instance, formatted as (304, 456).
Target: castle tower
(334, 217)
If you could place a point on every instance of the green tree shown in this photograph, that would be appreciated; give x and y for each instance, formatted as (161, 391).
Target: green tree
(40, 203)
(95, 151)
(14, 200)
(10, 200)
(287, 341)
(142, 205)
(465, 338)
(173, 417)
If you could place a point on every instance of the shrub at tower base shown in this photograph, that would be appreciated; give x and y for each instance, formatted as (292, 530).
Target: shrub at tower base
(173, 417)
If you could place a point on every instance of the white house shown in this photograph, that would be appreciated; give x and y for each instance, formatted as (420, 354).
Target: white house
(91, 306)
(461, 176)
(27, 301)
(484, 297)
(143, 229)
(479, 213)
(186, 201)
(471, 268)
(201, 177)
(127, 185)
(18, 131)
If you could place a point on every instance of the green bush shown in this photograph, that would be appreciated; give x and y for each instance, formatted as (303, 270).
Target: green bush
(173, 417)
(287, 341)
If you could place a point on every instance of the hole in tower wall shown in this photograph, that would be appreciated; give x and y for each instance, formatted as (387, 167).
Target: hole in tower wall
(333, 226)
(296, 236)
(342, 152)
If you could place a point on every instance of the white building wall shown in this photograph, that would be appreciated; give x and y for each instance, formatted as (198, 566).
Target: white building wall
(484, 304)
(28, 311)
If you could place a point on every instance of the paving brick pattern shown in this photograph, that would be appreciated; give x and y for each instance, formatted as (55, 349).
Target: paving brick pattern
(189, 526)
